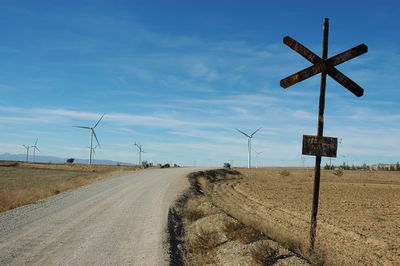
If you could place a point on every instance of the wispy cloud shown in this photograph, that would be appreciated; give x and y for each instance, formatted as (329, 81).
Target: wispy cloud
(183, 93)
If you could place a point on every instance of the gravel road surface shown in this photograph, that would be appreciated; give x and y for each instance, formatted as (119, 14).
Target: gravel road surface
(118, 221)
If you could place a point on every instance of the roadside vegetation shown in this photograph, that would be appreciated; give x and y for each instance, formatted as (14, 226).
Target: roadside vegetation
(24, 183)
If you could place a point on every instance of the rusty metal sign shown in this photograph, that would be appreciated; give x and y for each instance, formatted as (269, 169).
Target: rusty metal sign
(319, 146)
(321, 65)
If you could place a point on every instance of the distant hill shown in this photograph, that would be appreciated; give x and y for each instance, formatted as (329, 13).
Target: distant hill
(52, 159)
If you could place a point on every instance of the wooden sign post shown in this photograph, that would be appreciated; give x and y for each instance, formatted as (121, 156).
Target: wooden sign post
(320, 145)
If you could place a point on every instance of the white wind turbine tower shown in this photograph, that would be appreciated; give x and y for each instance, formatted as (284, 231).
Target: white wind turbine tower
(94, 152)
(92, 133)
(249, 137)
(257, 156)
(35, 148)
(27, 151)
(139, 146)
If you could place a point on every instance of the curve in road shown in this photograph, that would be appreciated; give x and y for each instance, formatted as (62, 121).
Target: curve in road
(118, 221)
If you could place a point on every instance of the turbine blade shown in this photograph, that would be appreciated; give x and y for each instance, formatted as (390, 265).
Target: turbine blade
(37, 149)
(243, 133)
(36, 141)
(83, 127)
(255, 132)
(99, 121)
(94, 134)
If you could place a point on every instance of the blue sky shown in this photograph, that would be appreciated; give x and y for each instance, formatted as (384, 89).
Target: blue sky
(179, 76)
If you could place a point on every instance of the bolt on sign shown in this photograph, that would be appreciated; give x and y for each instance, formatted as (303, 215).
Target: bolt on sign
(319, 145)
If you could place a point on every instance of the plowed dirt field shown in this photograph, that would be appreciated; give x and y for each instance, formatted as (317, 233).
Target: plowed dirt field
(358, 219)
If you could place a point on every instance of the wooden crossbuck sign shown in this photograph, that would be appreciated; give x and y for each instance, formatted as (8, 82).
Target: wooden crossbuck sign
(320, 145)
(327, 66)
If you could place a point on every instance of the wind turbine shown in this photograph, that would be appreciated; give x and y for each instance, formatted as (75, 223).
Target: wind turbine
(257, 155)
(27, 151)
(92, 133)
(249, 137)
(139, 146)
(35, 148)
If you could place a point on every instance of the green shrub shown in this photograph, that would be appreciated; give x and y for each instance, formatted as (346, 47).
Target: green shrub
(227, 165)
(338, 172)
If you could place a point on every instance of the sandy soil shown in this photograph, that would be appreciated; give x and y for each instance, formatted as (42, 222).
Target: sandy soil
(118, 221)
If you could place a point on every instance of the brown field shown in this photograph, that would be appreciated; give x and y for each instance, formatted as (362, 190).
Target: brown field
(23, 183)
(358, 219)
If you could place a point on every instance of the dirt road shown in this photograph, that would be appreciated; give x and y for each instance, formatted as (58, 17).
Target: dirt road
(118, 221)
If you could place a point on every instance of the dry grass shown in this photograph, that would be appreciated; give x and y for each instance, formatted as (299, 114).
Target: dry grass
(192, 215)
(263, 254)
(101, 168)
(196, 208)
(24, 183)
(199, 241)
(238, 231)
(358, 219)
(204, 241)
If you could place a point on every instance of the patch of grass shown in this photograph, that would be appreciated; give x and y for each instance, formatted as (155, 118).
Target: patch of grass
(338, 172)
(285, 173)
(238, 231)
(204, 241)
(191, 215)
(194, 209)
(231, 228)
(263, 254)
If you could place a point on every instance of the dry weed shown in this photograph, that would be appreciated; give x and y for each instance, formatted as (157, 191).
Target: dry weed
(240, 232)
(231, 228)
(263, 254)
(191, 215)
(192, 211)
(204, 241)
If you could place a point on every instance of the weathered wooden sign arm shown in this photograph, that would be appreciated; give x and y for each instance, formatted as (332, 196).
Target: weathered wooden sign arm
(327, 65)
